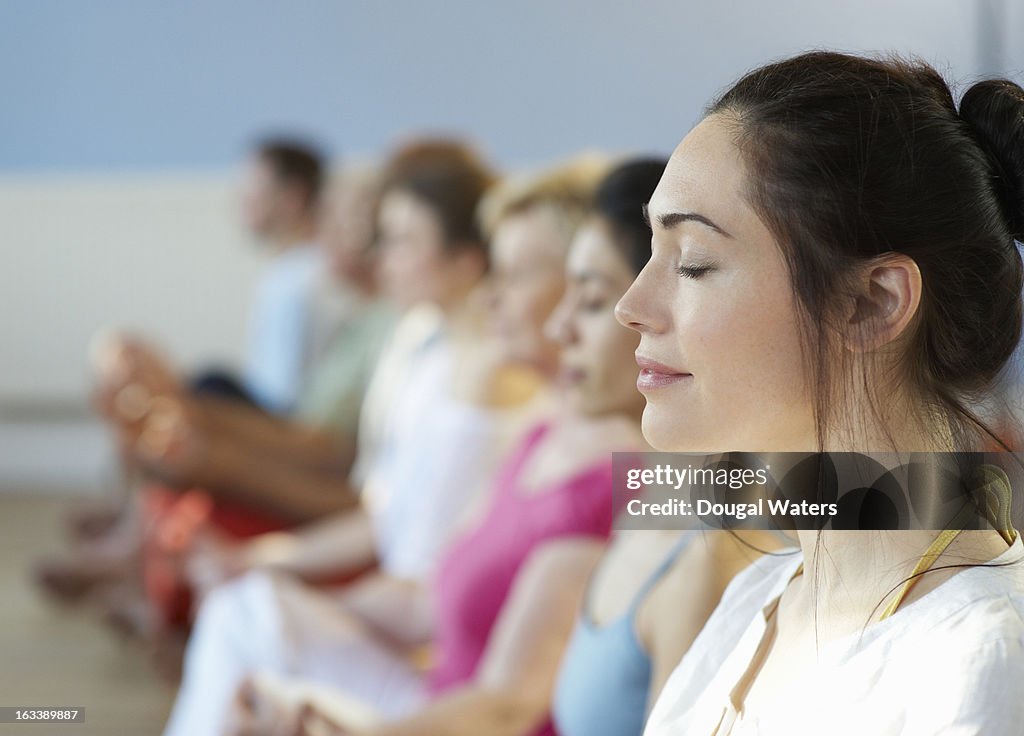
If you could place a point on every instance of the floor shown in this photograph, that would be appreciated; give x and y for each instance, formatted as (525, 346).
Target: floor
(52, 656)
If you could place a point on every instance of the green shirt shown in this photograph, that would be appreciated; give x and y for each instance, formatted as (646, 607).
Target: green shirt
(333, 395)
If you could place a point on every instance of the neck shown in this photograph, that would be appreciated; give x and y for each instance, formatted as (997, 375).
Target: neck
(462, 317)
(851, 560)
(849, 576)
(900, 424)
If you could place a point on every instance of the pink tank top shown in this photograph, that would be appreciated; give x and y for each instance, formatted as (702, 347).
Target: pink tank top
(478, 570)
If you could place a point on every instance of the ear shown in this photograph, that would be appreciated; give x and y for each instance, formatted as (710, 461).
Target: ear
(885, 300)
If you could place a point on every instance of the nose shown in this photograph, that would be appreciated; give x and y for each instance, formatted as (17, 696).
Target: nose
(634, 309)
(558, 327)
(627, 312)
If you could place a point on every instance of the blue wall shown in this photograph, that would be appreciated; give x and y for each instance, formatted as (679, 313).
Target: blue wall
(144, 84)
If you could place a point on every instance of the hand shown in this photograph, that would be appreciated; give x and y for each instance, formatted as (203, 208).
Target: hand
(129, 374)
(311, 722)
(170, 443)
(213, 560)
(256, 712)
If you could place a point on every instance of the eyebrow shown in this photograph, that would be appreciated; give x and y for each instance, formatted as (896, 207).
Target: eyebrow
(672, 219)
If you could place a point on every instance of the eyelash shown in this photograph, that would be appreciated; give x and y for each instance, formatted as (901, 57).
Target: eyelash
(694, 272)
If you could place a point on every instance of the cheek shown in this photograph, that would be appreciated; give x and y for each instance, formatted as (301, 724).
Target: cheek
(512, 307)
(407, 274)
(392, 269)
(742, 344)
(254, 208)
(533, 306)
(423, 266)
(766, 350)
(741, 337)
(545, 301)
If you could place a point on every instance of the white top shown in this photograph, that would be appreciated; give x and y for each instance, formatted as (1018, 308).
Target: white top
(280, 325)
(424, 455)
(415, 329)
(951, 662)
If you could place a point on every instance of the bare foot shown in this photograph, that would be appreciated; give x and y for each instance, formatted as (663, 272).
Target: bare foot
(93, 522)
(128, 611)
(70, 579)
(167, 652)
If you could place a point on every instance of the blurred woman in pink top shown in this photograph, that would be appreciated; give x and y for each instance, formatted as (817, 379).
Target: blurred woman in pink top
(501, 621)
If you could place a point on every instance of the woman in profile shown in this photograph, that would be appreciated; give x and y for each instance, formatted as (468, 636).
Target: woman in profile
(834, 269)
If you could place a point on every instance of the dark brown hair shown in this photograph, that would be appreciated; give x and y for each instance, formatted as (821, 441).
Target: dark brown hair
(450, 178)
(296, 164)
(852, 158)
(620, 200)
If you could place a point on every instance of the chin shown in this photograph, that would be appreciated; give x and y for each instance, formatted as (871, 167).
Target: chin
(670, 433)
(658, 433)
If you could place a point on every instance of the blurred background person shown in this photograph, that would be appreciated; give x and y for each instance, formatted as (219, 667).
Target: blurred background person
(508, 592)
(556, 484)
(281, 194)
(257, 470)
(652, 589)
(364, 639)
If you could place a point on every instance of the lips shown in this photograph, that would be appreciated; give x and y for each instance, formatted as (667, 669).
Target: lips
(657, 375)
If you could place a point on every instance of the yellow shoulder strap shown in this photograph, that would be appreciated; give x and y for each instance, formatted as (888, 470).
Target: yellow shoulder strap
(931, 554)
(992, 493)
(991, 488)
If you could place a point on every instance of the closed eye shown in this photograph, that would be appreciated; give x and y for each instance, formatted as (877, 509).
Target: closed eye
(694, 272)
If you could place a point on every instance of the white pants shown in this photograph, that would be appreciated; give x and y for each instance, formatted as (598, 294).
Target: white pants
(270, 623)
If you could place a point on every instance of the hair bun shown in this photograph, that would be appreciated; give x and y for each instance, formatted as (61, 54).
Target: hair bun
(994, 108)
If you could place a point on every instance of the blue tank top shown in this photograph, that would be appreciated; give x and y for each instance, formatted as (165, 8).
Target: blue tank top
(605, 676)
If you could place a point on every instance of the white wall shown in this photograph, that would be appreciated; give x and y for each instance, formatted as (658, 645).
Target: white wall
(160, 84)
(157, 253)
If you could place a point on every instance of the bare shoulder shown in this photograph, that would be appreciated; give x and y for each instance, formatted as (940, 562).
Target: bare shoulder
(554, 561)
(692, 587)
(692, 576)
